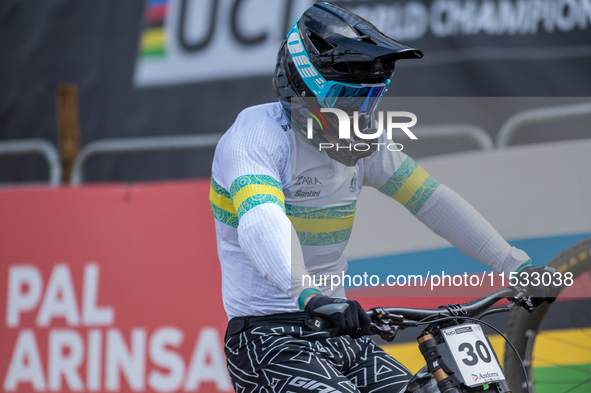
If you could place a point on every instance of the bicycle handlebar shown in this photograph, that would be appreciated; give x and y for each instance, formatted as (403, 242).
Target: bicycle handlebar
(469, 309)
(386, 321)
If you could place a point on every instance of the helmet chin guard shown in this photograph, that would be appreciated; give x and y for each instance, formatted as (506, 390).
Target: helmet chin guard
(332, 58)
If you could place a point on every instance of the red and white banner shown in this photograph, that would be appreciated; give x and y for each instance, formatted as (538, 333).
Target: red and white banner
(110, 288)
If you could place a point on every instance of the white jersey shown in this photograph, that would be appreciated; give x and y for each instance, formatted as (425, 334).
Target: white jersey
(263, 172)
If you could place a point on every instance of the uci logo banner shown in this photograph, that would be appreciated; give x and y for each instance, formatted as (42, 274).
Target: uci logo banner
(197, 40)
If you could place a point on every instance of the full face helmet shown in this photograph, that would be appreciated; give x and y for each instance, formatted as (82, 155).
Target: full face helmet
(333, 58)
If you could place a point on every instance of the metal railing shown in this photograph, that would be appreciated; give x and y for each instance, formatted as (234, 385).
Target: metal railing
(470, 131)
(538, 115)
(167, 143)
(36, 146)
(203, 141)
(137, 145)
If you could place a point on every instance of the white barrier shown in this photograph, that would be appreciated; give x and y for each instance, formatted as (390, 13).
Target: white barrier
(525, 192)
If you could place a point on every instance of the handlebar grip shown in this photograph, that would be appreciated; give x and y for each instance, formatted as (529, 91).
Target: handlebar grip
(319, 324)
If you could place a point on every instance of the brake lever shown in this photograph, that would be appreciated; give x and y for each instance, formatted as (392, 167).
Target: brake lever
(388, 318)
(386, 332)
(522, 300)
(527, 304)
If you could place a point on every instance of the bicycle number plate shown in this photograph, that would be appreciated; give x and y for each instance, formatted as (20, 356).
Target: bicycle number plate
(473, 354)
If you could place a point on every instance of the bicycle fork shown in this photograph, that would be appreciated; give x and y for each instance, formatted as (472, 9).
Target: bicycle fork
(442, 366)
(427, 345)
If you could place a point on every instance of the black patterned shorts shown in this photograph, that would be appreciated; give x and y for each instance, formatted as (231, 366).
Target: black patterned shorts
(281, 354)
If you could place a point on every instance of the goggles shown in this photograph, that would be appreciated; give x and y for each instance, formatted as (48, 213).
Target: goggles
(351, 97)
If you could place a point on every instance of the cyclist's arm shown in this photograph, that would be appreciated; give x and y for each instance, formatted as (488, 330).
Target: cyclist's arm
(442, 210)
(450, 216)
(269, 240)
(255, 161)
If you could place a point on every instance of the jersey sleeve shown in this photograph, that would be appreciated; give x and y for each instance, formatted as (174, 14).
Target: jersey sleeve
(398, 176)
(441, 209)
(453, 218)
(256, 165)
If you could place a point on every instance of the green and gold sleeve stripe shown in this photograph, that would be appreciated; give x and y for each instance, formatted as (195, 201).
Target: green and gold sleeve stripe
(249, 191)
(221, 205)
(410, 185)
(330, 225)
(318, 226)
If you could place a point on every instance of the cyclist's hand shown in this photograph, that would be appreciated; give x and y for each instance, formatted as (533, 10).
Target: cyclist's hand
(541, 292)
(347, 315)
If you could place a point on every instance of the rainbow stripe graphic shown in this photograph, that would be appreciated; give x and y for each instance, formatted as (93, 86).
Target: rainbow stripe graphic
(556, 370)
(316, 117)
(153, 38)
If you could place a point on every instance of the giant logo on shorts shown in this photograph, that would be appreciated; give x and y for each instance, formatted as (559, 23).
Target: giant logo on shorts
(310, 384)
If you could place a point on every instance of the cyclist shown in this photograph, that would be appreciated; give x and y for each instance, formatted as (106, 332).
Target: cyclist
(284, 209)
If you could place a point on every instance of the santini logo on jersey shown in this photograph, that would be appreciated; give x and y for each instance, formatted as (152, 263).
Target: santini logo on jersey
(307, 193)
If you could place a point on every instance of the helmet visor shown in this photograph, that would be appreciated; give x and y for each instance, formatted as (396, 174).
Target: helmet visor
(351, 97)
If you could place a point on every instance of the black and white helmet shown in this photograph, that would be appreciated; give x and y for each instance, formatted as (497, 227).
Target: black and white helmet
(333, 58)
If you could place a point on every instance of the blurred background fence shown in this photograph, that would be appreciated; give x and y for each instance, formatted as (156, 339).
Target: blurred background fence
(188, 67)
(117, 287)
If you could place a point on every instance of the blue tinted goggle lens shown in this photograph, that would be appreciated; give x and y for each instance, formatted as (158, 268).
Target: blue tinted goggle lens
(350, 98)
